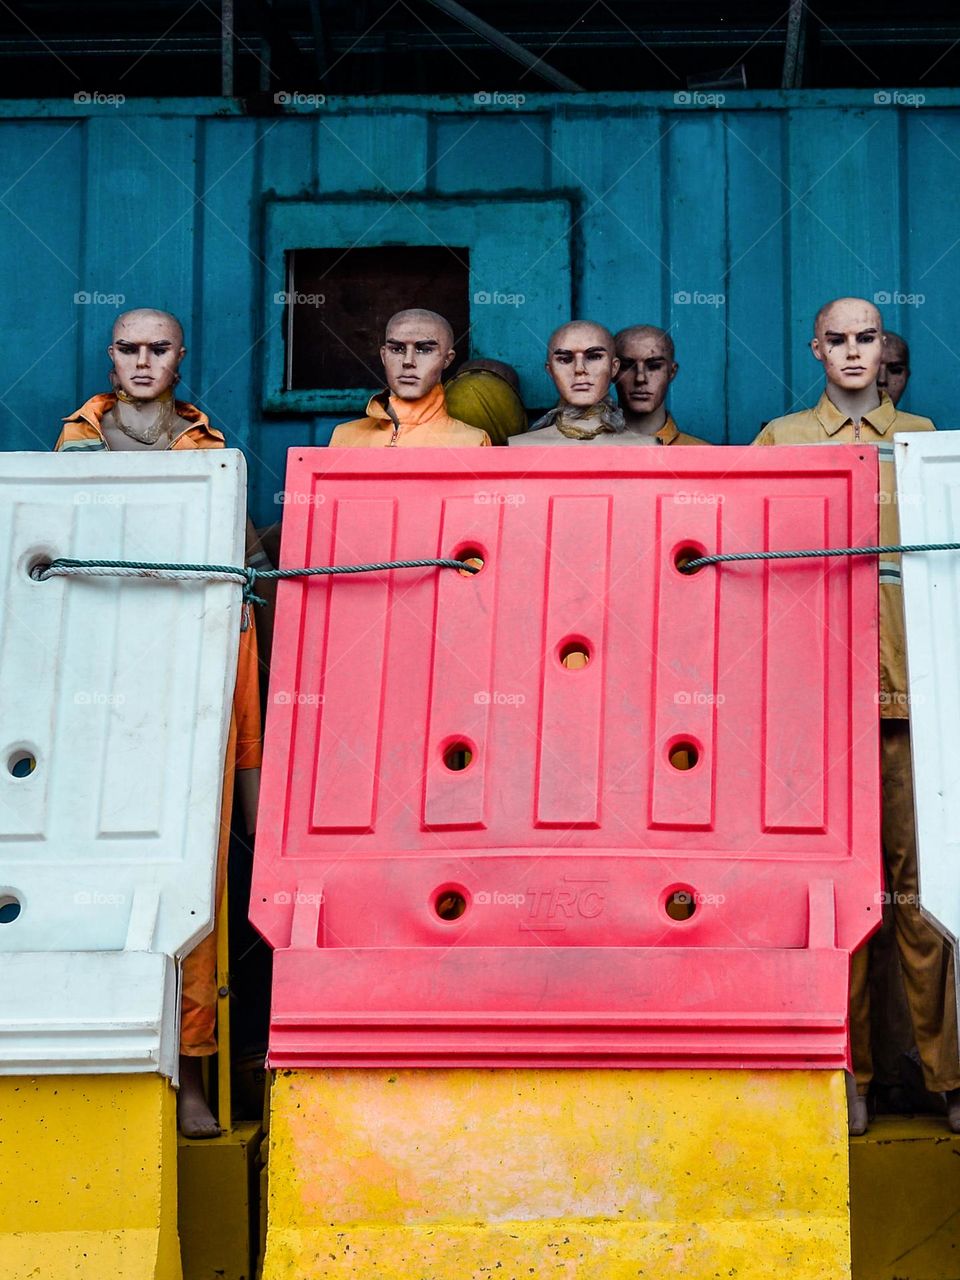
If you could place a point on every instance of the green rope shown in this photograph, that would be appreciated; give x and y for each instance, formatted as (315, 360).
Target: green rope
(692, 566)
(245, 575)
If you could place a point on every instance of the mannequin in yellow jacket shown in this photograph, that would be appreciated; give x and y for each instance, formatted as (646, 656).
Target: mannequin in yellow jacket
(417, 347)
(848, 342)
(648, 366)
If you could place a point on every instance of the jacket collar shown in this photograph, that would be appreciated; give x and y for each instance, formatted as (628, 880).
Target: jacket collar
(393, 412)
(92, 413)
(881, 419)
(669, 431)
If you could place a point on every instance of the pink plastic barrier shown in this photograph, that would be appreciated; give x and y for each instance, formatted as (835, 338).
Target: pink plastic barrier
(520, 910)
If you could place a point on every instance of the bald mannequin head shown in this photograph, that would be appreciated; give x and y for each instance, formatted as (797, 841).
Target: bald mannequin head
(582, 361)
(894, 366)
(647, 367)
(642, 332)
(417, 347)
(848, 342)
(146, 351)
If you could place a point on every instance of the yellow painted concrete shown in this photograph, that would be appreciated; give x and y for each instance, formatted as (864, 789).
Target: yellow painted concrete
(588, 1174)
(88, 1178)
(905, 1200)
(219, 1204)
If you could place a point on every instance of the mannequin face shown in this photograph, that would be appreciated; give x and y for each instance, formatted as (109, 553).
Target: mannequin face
(849, 344)
(582, 363)
(146, 352)
(894, 368)
(415, 353)
(646, 371)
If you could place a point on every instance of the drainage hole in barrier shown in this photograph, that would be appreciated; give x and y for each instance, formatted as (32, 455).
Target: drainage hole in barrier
(22, 763)
(472, 557)
(683, 555)
(9, 908)
(457, 756)
(574, 654)
(681, 904)
(683, 755)
(450, 905)
(38, 565)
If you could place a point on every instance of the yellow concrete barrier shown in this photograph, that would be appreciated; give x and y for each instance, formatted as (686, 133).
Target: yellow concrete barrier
(88, 1178)
(466, 1174)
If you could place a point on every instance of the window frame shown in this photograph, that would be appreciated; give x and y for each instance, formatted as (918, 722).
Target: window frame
(518, 248)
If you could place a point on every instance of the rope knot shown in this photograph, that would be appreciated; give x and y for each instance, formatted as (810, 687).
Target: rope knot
(249, 586)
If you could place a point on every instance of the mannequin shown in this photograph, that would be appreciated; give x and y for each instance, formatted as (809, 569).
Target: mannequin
(412, 411)
(848, 342)
(647, 368)
(894, 366)
(582, 362)
(141, 414)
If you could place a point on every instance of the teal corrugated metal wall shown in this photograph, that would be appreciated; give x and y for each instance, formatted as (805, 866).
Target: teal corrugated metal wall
(772, 202)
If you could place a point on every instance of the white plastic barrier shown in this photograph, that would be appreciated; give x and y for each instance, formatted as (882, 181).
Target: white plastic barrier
(928, 483)
(115, 699)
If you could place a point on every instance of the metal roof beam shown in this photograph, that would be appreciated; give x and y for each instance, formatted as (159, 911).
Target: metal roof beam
(506, 45)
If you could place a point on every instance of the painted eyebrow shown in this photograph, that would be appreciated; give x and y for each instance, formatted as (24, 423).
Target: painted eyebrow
(590, 351)
(835, 333)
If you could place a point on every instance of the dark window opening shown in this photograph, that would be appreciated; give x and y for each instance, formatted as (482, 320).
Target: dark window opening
(338, 302)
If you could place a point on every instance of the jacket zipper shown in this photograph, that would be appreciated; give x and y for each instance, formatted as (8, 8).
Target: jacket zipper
(391, 414)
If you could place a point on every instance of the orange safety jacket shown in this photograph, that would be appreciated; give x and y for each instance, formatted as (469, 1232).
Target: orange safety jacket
(392, 422)
(82, 431)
